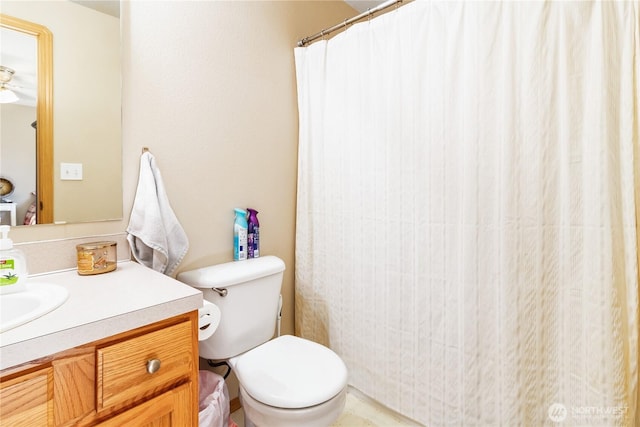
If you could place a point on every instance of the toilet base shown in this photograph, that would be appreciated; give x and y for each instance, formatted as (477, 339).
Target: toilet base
(260, 415)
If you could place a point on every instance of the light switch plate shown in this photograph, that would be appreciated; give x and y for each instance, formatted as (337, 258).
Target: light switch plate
(71, 171)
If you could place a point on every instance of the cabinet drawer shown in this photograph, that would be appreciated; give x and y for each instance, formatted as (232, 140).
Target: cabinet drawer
(122, 367)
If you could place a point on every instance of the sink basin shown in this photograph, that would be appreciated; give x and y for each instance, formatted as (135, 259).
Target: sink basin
(38, 299)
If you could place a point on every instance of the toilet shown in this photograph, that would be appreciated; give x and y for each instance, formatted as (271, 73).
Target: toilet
(285, 381)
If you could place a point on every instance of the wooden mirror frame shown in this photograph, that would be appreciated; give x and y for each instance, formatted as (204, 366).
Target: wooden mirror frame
(44, 114)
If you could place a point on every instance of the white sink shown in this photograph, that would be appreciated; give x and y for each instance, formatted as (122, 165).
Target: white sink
(39, 298)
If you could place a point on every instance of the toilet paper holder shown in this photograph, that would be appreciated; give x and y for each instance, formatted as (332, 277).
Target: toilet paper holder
(208, 320)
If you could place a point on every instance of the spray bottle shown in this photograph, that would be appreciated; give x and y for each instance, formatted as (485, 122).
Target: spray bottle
(240, 235)
(253, 239)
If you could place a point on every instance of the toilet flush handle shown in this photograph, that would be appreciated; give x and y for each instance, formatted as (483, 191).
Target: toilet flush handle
(222, 292)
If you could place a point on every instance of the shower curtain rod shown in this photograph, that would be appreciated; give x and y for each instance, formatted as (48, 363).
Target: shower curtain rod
(303, 42)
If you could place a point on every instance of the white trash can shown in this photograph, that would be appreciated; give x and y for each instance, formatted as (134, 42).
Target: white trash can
(213, 401)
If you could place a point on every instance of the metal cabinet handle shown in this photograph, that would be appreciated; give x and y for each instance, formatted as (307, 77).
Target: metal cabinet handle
(153, 366)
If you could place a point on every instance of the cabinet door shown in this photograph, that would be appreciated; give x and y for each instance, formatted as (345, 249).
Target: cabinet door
(171, 409)
(28, 400)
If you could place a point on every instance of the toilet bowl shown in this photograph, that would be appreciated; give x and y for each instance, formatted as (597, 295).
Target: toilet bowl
(286, 381)
(323, 415)
(290, 381)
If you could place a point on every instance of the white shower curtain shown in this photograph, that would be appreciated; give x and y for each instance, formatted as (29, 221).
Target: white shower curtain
(468, 189)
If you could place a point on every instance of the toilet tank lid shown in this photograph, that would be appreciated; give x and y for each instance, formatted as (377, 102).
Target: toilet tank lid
(232, 273)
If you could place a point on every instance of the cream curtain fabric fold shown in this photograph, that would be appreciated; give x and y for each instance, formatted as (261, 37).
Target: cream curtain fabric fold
(468, 188)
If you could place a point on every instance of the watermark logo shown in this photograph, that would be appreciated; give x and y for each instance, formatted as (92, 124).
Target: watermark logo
(557, 412)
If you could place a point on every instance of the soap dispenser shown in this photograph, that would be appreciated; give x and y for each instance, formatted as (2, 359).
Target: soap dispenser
(13, 264)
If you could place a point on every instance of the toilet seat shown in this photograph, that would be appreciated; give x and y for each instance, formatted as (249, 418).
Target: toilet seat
(290, 372)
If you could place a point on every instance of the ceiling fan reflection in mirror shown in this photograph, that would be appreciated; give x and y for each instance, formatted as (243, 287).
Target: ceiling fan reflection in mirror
(6, 94)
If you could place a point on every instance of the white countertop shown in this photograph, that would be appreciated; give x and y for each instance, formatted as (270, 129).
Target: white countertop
(97, 307)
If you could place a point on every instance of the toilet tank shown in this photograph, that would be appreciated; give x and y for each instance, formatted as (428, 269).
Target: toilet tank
(248, 311)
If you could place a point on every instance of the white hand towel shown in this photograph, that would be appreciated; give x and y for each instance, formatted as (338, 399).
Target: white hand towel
(157, 239)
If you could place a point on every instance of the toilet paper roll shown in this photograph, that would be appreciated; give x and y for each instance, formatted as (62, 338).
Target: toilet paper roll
(208, 321)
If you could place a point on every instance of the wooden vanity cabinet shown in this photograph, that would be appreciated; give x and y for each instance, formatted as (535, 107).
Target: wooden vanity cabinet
(144, 377)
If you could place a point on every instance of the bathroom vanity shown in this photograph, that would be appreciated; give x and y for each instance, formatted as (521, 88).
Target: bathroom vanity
(122, 350)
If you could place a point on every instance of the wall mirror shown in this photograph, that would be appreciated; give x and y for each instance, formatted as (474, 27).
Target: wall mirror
(60, 141)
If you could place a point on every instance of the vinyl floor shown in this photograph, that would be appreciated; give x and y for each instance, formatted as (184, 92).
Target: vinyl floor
(359, 411)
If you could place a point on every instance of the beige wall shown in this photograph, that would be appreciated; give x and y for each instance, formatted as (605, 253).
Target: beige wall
(211, 91)
(209, 87)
